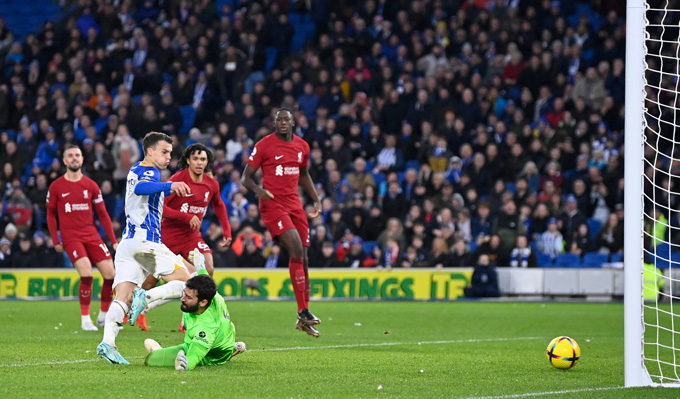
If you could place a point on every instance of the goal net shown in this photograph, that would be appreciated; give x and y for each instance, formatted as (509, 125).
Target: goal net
(652, 195)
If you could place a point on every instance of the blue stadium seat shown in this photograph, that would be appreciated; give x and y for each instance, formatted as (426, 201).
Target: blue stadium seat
(594, 226)
(509, 186)
(401, 176)
(189, 116)
(369, 166)
(617, 257)
(594, 259)
(567, 260)
(369, 246)
(379, 178)
(412, 164)
(544, 260)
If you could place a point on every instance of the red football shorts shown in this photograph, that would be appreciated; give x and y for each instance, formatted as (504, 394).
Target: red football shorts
(278, 220)
(96, 251)
(184, 245)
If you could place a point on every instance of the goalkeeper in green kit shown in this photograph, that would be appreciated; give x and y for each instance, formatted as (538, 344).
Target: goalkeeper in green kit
(210, 336)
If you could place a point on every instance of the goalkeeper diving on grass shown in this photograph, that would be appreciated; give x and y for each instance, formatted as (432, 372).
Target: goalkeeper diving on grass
(210, 335)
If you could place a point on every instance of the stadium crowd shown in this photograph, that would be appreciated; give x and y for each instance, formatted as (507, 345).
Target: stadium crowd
(440, 129)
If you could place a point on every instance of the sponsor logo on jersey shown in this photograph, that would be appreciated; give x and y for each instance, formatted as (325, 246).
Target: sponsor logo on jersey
(68, 207)
(206, 197)
(201, 334)
(184, 208)
(148, 173)
(288, 170)
(278, 157)
(85, 194)
(64, 195)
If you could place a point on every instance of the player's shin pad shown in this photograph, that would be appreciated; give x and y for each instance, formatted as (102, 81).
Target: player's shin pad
(163, 357)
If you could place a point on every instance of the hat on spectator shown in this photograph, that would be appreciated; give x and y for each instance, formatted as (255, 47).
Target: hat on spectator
(571, 198)
(24, 237)
(552, 220)
(38, 234)
(128, 60)
(454, 159)
(357, 240)
(88, 141)
(358, 196)
(10, 228)
(5, 241)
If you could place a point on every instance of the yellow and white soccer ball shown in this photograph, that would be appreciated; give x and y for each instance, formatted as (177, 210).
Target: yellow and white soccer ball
(563, 352)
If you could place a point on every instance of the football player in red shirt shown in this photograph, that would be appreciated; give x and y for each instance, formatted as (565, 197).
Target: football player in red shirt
(183, 216)
(283, 158)
(71, 198)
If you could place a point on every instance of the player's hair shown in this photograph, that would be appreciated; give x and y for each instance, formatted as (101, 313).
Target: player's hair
(69, 146)
(152, 138)
(183, 162)
(283, 110)
(205, 287)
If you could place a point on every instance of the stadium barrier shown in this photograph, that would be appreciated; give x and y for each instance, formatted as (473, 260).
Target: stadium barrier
(401, 284)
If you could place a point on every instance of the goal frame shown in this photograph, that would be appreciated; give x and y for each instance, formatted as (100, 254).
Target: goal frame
(635, 371)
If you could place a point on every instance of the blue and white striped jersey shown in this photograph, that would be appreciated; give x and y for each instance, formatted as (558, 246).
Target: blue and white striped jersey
(143, 213)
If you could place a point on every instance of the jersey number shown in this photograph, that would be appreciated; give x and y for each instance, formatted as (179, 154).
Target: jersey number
(203, 246)
(105, 249)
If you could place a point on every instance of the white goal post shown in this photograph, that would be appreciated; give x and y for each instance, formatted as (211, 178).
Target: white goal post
(652, 337)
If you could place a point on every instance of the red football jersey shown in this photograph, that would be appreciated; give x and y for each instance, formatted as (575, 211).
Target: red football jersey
(280, 162)
(74, 203)
(203, 193)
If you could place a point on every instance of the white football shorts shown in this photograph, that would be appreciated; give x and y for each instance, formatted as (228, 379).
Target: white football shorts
(136, 259)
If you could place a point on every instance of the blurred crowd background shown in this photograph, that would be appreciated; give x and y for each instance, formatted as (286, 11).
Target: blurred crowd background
(440, 129)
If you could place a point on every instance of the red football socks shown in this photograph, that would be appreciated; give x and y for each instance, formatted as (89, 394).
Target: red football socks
(85, 295)
(106, 295)
(298, 280)
(308, 286)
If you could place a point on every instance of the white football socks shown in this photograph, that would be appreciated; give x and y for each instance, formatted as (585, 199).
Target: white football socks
(172, 290)
(114, 322)
(155, 304)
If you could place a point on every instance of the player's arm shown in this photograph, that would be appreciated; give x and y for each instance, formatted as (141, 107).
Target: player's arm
(308, 185)
(149, 183)
(199, 346)
(249, 183)
(103, 216)
(51, 203)
(221, 213)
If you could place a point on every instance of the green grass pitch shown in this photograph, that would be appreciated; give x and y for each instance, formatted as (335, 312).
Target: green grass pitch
(367, 349)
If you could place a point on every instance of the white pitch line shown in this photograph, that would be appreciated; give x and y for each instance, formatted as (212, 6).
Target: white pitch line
(548, 393)
(459, 341)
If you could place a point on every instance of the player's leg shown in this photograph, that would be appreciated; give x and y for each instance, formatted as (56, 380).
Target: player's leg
(100, 256)
(129, 275)
(76, 251)
(299, 218)
(163, 264)
(164, 357)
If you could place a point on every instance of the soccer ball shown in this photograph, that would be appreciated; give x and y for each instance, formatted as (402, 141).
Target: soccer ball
(563, 353)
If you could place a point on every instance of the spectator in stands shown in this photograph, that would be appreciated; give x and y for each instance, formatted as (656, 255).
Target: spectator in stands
(551, 241)
(26, 256)
(247, 235)
(610, 237)
(460, 255)
(359, 178)
(522, 255)
(5, 253)
(571, 217)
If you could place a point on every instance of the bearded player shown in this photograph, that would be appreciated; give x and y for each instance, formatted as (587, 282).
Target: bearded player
(284, 158)
(71, 198)
(183, 216)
